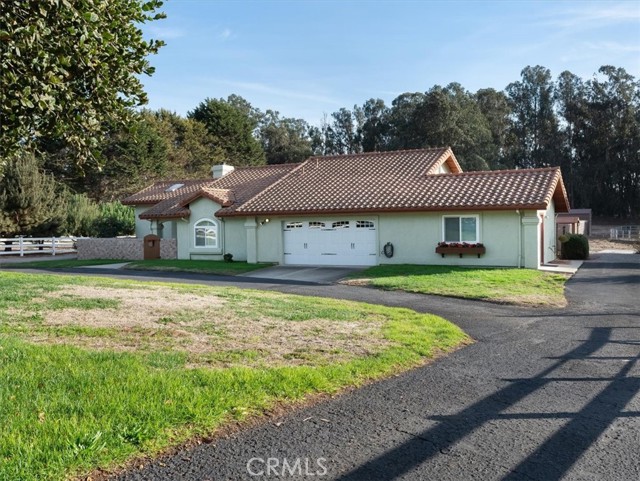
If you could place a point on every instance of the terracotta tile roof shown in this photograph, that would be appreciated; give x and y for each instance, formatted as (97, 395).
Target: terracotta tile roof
(177, 207)
(158, 191)
(372, 182)
(229, 191)
(351, 184)
(247, 182)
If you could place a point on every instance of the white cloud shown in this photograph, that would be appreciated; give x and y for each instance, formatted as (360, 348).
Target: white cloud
(225, 34)
(613, 47)
(595, 15)
(279, 92)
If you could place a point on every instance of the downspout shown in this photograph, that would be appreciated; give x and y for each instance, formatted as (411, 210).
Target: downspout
(519, 238)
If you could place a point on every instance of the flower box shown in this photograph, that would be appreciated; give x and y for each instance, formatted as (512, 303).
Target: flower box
(461, 250)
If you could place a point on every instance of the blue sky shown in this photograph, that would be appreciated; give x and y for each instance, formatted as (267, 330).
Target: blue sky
(308, 58)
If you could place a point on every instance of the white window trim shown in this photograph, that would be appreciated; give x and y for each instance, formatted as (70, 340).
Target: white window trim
(461, 216)
(217, 228)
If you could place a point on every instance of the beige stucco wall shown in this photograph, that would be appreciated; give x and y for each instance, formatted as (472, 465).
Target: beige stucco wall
(235, 238)
(200, 209)
(143, 227)
(415, 237)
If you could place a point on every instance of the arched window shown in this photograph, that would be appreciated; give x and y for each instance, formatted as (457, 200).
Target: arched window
(206, 233)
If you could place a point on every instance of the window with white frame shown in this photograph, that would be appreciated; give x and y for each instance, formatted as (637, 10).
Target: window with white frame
(463, 228)
(206, 233)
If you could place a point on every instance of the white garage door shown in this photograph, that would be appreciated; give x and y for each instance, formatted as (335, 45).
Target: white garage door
(330, 242)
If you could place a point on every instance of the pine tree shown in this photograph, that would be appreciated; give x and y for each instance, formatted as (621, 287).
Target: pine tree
(31, 202)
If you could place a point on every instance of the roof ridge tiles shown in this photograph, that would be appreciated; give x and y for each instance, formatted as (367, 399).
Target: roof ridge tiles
(376, 153)
(492, 172)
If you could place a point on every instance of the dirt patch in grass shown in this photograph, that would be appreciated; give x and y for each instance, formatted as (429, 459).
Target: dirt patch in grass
(597, 245)
(208, 330)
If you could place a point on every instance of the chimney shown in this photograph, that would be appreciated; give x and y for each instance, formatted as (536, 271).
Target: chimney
(221, 170)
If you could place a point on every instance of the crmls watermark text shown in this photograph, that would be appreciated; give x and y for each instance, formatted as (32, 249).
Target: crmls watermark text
(287, 467)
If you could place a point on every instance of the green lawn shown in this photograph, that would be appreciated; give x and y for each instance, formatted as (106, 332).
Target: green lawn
(57, 264)
(205, 267)
(513, 286)
(96, 371)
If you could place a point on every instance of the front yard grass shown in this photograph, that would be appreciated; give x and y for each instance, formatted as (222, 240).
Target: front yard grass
(510, 286)
(94, 372)
(57, 264)
(220, 268)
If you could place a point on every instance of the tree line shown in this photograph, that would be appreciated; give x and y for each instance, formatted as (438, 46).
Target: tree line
(71, 121)
(590, 128)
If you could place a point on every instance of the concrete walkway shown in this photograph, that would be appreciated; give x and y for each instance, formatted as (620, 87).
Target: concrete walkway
(320, 275)
(541, 395)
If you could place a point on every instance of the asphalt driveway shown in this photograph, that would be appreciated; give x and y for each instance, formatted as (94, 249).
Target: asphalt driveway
(541, 395)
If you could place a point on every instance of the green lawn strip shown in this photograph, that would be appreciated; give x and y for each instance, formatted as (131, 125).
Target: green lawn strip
(221, 268)
(66, 410)
(61, 264)
(514, 286)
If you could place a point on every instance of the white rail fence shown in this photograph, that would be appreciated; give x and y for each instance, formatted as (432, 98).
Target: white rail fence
(625, 232)
(21, 246)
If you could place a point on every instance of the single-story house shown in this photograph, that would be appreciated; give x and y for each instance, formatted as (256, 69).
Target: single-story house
(362, 209)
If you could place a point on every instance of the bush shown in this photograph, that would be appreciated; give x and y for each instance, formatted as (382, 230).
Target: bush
(228, 257)
(82, 216)
(574, 246)
(115, 219)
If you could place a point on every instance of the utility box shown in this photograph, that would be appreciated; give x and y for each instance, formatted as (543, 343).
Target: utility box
(151, 247)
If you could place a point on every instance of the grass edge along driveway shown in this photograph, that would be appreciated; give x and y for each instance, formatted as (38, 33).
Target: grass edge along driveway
(529, 287)
(220, 268)
(66, 410)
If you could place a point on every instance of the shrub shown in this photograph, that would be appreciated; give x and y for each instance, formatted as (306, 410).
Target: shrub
(574, 246)
(81, 216)
(228, 257)
(115, 219)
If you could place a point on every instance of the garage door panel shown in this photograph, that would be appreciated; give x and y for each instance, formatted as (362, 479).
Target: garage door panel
(330, 242)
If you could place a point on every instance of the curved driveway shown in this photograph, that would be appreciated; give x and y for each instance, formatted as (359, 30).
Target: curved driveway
(541, 395)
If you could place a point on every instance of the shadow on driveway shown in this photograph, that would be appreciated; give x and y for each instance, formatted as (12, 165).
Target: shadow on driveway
(554, 457)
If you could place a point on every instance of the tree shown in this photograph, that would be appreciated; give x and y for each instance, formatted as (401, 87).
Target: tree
(344, 132)
(31, 202)
(534, 125)
(233, 128)
(571, 105)
(450, 116)
(374, 125)
(71, 68)
(284, 140)
(404, 130)
(495, 108)
(607, 143)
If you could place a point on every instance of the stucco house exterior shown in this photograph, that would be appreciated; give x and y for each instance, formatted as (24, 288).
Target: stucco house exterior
(361, 209)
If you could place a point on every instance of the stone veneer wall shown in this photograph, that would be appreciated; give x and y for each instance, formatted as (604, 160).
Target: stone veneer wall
(122, 248)
(168, 249)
